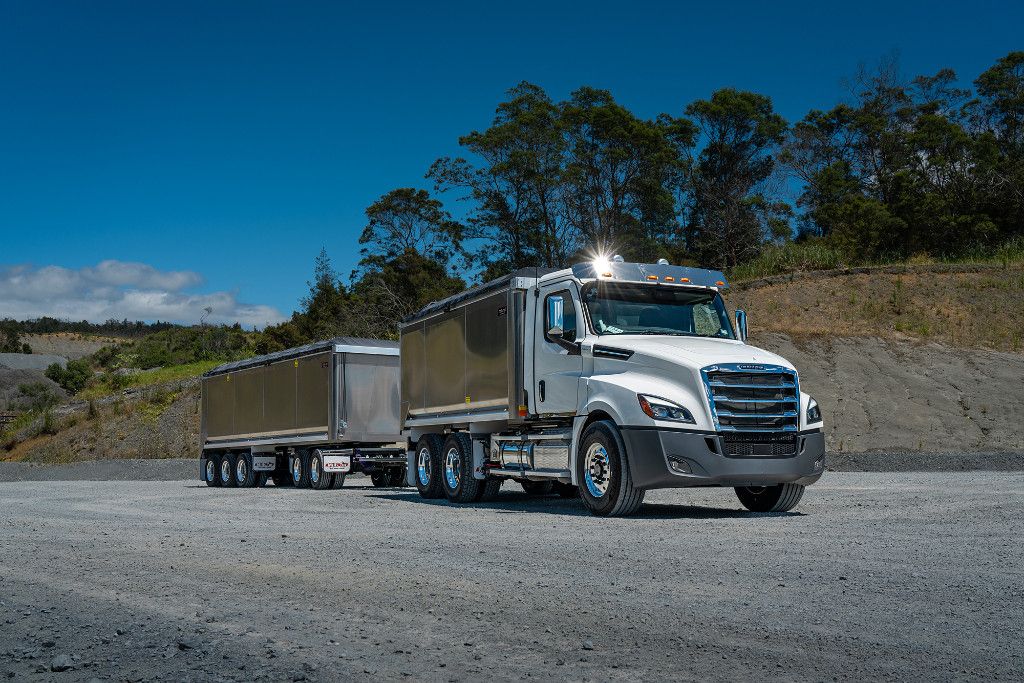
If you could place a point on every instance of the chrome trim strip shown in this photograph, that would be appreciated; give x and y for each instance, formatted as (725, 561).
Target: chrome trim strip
(369, 350)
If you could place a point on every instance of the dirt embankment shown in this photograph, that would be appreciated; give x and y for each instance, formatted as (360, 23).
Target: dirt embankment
(897, 395)
(150, 422)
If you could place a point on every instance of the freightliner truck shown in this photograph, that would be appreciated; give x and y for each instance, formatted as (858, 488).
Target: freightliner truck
(604, 380)
(305, 417)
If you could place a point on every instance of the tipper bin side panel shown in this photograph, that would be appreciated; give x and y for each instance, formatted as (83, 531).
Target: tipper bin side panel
(313, 394)
(487, 352)
(413, 362)
(220, 405)
(369, 407)
(445, 362)
(279, 397)
(248, 401)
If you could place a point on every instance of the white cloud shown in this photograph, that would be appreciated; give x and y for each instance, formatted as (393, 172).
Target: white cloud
(120, 289)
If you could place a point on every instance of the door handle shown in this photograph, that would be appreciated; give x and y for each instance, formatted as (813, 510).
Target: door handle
(540, 390)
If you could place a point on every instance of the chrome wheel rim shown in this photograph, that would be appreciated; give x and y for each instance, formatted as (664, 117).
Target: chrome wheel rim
(423, 466)
(314, 469)
(296, 470)
(211, 471)
(452, 468)
(596, 473)
(225, 470)
(241, 470)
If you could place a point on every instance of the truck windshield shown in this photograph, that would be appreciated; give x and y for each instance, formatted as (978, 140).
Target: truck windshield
(621, 308)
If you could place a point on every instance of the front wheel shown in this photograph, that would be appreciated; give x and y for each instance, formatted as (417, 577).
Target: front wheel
(781, 498)
(602, 470)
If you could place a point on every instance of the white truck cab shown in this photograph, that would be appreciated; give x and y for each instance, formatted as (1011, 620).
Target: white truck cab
(606, 379)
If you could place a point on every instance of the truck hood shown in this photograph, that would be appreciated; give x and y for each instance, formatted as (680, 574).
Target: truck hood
(692, 352)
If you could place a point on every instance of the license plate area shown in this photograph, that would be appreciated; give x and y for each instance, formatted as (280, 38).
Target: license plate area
(264, 463)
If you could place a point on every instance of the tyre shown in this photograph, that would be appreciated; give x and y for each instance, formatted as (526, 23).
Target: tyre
(318, 479)
(227, 469)
(428, 466)
(537, 488)
(489, 490)
(606, 485)
(781, 498)
(211, 472)
(300, 469)
(245, 477)
(281, 478)
(457, 469)
(396, 477)
(566, 490)
(261, 479)
(379, 478)
(339, 480)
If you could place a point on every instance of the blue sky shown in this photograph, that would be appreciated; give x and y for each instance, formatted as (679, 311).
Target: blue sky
(220, 145)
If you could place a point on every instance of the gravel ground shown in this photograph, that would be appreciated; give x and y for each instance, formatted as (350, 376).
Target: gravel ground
(910, 576)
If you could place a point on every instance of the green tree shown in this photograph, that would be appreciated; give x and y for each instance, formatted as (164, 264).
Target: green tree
(731, 214)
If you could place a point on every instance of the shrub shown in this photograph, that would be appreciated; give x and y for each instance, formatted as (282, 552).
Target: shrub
(37, 396)
(72, 378)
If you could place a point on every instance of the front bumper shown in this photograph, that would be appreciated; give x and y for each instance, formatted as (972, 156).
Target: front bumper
(650, 451)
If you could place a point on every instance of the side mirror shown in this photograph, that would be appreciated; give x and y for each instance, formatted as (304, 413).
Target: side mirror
(741, 324)
(556, 316)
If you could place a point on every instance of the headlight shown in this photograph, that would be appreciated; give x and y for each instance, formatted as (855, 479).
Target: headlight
(813, 412)
(663, 409)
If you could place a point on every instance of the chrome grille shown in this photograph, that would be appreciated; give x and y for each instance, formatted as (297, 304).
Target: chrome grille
(748, 397)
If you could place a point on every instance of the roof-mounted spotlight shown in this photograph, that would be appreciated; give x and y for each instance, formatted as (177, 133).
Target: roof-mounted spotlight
(617, 259)
(663, 262)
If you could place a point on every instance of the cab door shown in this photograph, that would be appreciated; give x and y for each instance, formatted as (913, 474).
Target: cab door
(557, 363)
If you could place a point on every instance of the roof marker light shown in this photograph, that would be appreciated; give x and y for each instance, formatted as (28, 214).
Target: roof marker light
(720, 283)
(684, 279)
(668, 278)
(652, 277)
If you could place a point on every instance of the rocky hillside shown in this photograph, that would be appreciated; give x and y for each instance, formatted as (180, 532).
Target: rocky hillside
(912, 359)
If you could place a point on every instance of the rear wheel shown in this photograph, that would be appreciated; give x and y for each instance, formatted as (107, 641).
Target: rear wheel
(457, 478)
(318, 479)
(781, 498)
(537, 488)
(603, 472)
(396, 476)
(227, 469)
(245, 477)
(489, 490)
(339, 480)
(211, 472)
(300, 470)
(428, 466)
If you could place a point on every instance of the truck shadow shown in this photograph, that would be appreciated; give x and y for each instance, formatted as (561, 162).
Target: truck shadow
(509, 503)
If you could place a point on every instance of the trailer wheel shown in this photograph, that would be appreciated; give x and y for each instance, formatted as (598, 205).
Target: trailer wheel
(428, 466)
(396, 477)
(379, 479)
(211, 471)
(227, 469)
(261, 479)
(606, 485)
(300, 469)
(489, 490)
(281, 478)
(339, 480)
(457, 469)
(537, 488)
(318, 479)
(781, 498)
(566, 490)
(245, 477)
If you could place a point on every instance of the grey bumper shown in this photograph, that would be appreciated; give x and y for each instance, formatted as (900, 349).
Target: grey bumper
(700, 457)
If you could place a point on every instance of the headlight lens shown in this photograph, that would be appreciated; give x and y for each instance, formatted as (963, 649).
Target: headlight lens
(813, 412)
(663, 409)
